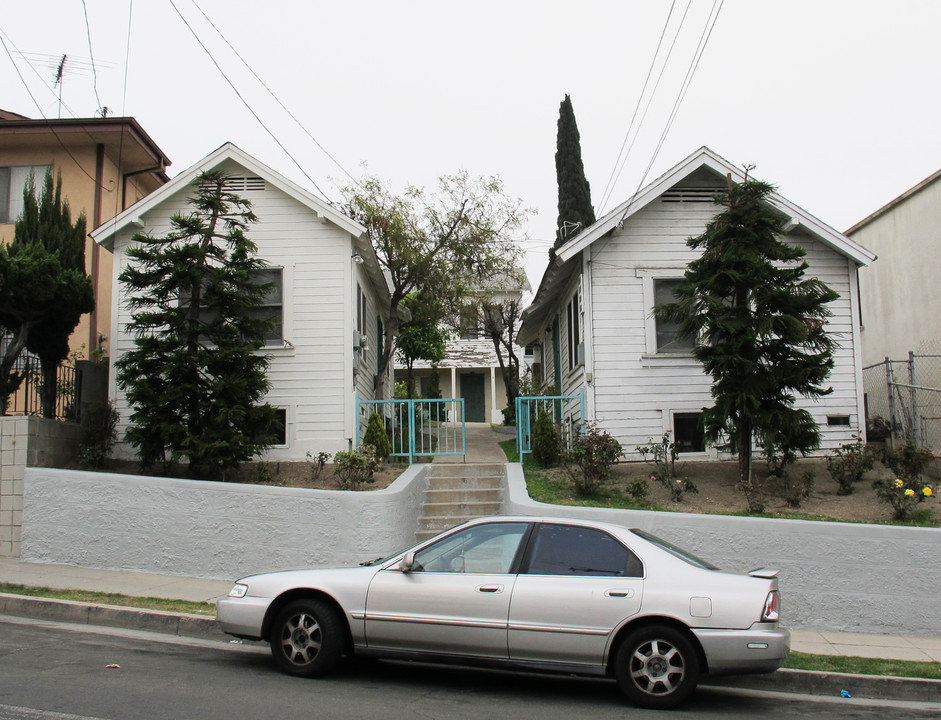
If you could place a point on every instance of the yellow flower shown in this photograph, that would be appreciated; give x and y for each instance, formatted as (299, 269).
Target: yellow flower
(927, 492)
(909, 492)
(899, 483)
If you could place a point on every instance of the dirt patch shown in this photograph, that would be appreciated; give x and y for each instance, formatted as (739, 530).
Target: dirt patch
(719, 494)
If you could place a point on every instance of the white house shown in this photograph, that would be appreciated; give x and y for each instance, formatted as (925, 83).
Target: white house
(332, 296)
(470, 368)
(592, 313)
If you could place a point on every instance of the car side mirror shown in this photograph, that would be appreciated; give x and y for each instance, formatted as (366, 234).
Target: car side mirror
(407, 562)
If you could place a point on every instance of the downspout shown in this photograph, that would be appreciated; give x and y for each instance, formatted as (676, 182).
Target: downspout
(96, 223)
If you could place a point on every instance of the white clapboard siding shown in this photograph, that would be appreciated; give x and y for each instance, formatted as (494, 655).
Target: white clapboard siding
(634, 392)
(311, 372)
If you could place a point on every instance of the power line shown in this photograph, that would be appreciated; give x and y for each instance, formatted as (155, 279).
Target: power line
(616, 170)
(271, 92)
(51, 129)
(244, 101)
(694, 64)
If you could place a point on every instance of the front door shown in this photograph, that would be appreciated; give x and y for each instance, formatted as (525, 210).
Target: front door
(472, 390)
(455, 599)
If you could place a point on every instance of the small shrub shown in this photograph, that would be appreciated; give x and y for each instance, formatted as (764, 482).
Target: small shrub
(316, 464)
(878, 429)
(638, 490)
(356, 466)
(902, 495)
(664, 455)
(99, 433)
(593, 452)
(260, 474)
(909, 461)
(796, 490)
(377, 436)
(849, 463)
(546, 441)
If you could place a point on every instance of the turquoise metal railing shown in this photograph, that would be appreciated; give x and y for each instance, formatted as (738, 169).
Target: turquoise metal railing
(567, 411)
(418, 428)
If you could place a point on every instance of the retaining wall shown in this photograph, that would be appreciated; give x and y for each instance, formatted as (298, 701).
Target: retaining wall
(833, 576)
(210, 529)
(27, 440)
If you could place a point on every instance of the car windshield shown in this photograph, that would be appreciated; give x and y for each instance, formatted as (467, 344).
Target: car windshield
(674, 550)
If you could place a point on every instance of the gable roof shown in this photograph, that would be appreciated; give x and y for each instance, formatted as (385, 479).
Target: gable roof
(892, 204)
(561, 267)
(133, 216)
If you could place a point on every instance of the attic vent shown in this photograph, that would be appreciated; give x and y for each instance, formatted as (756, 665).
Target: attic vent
(244, 184)
(689, 195)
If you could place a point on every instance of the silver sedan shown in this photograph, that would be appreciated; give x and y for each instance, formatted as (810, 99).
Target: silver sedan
(552, 595)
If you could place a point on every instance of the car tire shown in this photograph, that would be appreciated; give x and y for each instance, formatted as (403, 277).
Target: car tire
(657, 667)
(307, 638)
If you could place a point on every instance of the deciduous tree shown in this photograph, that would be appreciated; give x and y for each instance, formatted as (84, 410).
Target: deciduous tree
(440, 244)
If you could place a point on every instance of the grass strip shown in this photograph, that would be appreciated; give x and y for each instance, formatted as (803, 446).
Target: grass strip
(864, 666)
(100, 598)
(795, 661)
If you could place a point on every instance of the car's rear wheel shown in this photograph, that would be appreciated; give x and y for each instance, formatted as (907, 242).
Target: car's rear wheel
(657, 667)
(307, 638)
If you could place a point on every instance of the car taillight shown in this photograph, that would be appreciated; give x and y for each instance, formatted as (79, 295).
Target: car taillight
(772, 611)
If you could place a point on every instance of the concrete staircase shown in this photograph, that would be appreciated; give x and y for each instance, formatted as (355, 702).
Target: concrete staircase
(457, 493)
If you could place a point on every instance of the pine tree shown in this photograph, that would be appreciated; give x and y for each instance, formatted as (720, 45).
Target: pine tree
(196, 377)
(575, 210)
(761, 326)
(48, 222)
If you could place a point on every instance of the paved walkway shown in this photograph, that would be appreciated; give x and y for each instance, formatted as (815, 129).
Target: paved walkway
(482, 443)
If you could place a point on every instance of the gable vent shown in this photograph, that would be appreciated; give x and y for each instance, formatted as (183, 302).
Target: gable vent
(689, 195)
(244, 184)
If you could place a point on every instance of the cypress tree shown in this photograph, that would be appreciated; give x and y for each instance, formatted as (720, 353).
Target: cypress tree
(575, 209)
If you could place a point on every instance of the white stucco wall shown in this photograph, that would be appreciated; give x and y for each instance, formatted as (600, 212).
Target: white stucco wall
(833, 576)
(210, 529)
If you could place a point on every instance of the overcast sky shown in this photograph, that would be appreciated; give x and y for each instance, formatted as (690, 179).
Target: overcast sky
(836, 103)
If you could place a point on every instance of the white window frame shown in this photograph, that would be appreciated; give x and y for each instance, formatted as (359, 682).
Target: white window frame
(649, 276)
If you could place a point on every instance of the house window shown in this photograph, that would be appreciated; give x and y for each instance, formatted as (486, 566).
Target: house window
(380, 339)
(574, 334)
(666, 330)
(688, 432)
(360, 310)
(280, 431)
(272, 304)
(838, 420)
(12, 182)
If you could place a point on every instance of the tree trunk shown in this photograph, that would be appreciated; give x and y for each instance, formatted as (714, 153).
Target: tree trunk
(50, 389)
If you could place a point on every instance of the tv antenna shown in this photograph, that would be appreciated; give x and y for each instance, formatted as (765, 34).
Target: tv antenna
(60, 76)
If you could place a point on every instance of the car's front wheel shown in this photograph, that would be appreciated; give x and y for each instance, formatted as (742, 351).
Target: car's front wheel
(657, 667)
(307, 638)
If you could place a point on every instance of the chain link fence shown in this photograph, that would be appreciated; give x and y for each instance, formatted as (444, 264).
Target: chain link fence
(903, 400)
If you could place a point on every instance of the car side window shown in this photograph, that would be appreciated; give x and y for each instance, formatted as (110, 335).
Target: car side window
(573, 550)
(489, 548)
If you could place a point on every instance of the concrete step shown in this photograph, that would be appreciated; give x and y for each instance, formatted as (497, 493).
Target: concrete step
(435, 525)
(442, 470)
(462, 510)
(464, 494)
(465, 483)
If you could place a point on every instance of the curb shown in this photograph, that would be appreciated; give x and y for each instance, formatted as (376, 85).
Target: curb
(831, 684)
(803, 682)
(126, 618)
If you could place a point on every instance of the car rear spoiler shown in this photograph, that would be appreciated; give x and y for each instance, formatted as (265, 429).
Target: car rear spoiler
(764, 573)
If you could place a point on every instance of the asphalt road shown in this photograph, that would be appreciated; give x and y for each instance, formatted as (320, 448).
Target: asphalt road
(51, 671)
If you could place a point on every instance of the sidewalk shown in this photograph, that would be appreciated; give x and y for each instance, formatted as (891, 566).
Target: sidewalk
(137, 584)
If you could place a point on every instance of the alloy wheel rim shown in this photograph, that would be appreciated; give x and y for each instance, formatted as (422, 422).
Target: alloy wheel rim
(657, 667)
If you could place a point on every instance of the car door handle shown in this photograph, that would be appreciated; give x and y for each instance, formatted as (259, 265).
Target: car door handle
(490, 588)
(619, 593)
